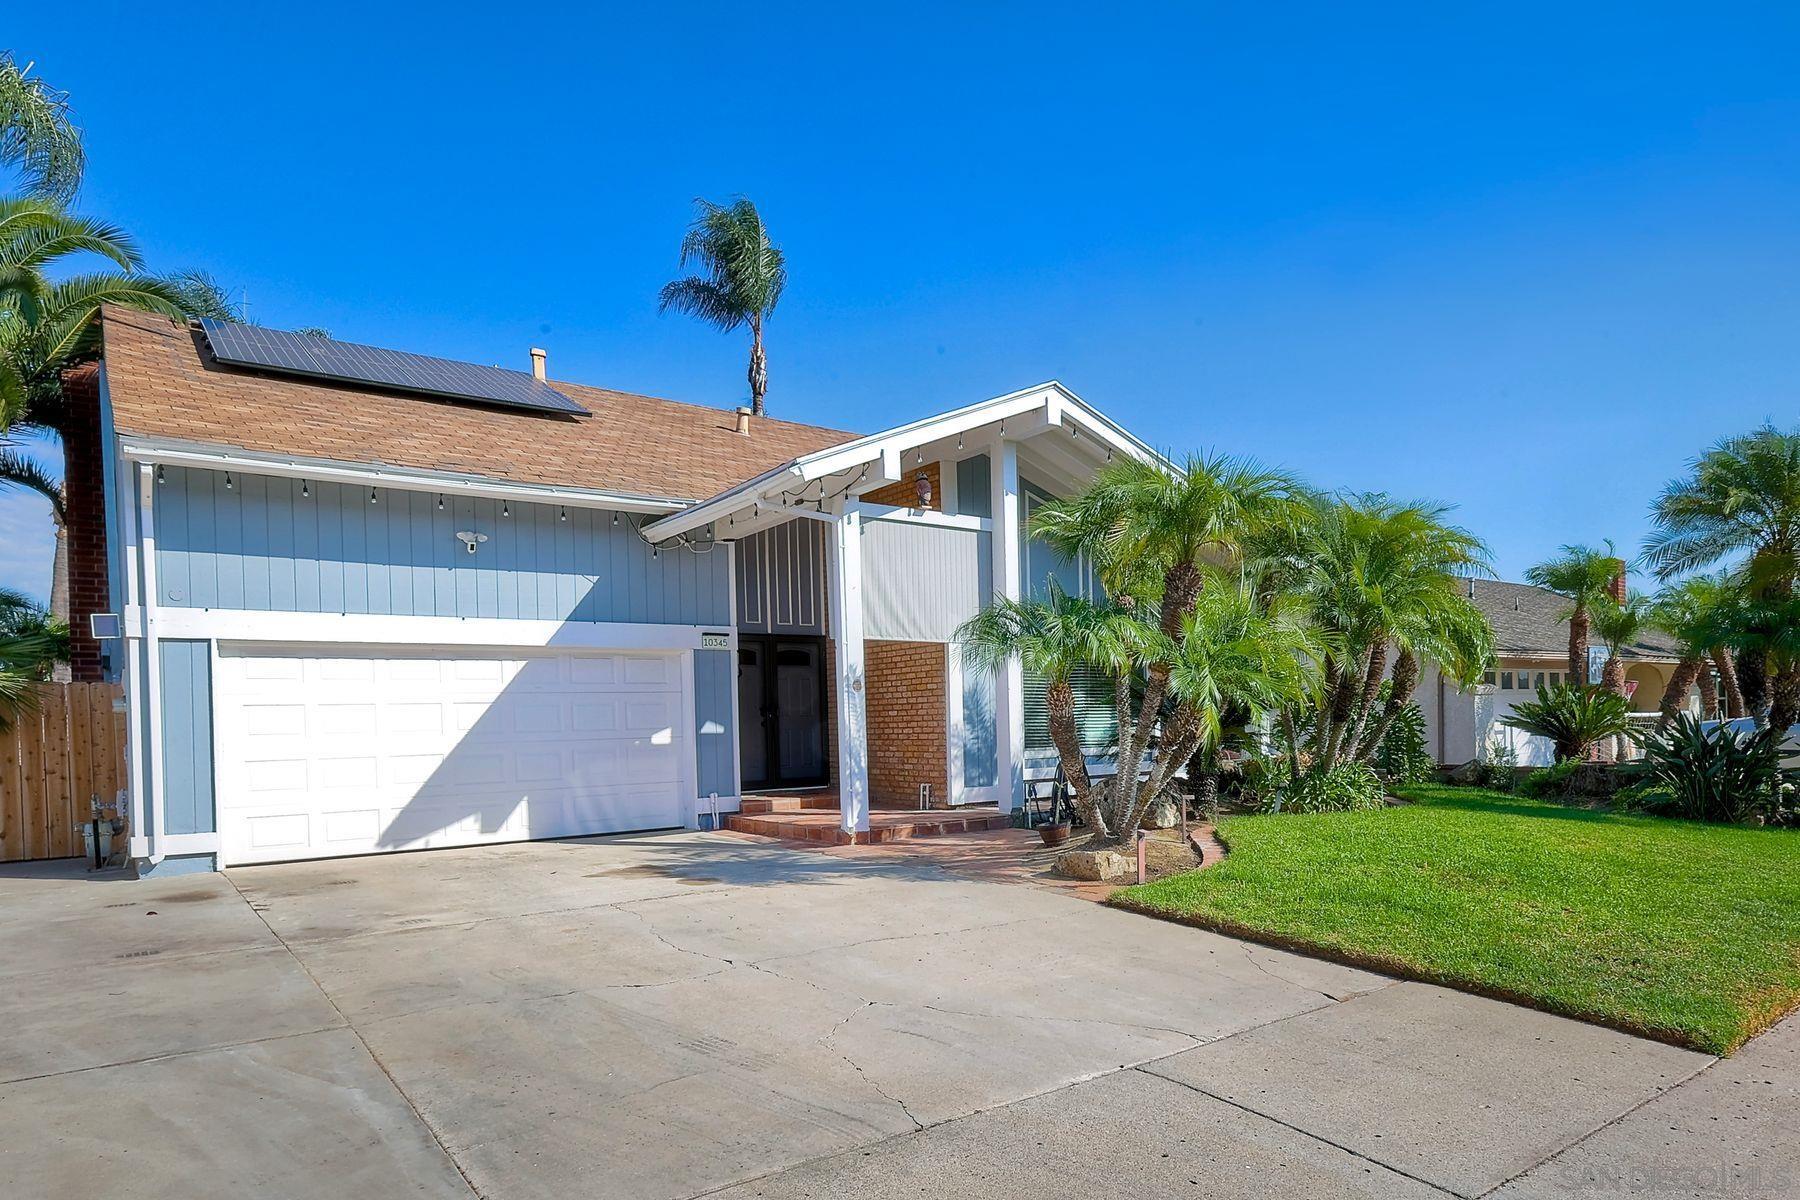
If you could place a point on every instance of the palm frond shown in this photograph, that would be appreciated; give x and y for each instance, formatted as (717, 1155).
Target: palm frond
(38, 137)
(18, 471)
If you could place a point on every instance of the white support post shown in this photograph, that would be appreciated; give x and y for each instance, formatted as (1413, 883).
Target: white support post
(853, 725)
(151, 750)
(1009, 694)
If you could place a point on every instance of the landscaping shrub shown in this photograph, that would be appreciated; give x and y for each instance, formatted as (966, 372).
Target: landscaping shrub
(1714, 775)
(1550, 782)
(1572, 717)
(1402, 757)
(1347, 787)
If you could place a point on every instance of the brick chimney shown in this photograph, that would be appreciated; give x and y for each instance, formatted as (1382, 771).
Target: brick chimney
(1616, 589)
(85, 490)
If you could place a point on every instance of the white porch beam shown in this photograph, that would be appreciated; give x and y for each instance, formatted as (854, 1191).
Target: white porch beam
(1009, 698)
(853, 723)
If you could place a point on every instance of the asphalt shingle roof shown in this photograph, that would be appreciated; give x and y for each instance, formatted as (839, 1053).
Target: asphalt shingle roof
(163, 382)
(1528, 622)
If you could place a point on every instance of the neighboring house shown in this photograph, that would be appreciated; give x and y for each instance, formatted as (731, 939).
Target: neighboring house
(468, 605)
(1531, 645)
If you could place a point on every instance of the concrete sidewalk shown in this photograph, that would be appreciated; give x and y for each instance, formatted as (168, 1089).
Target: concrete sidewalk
(691, 1014)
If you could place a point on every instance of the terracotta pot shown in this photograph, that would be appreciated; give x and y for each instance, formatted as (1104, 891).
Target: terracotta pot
(1054, 835)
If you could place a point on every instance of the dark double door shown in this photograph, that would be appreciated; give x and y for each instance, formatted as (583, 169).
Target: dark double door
(781, 711)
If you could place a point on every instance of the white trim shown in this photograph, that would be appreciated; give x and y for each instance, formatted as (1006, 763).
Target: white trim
(177, 454)
(880, 455)
(924, 516)
(189, 843)
(1009, 687)
(351, 629)
(853, 723)
(690, 770)
(153, 743)
(137, 737)
(737, 718)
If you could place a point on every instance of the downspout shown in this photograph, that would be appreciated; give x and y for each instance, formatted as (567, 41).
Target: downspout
(1442, 720)
(152, 663)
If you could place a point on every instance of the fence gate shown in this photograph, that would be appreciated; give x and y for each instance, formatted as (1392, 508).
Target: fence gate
(53, 760)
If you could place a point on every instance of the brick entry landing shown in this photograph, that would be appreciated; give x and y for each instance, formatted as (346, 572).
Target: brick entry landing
(813, 817)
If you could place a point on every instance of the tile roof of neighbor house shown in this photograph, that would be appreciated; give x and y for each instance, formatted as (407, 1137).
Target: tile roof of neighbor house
(163, 383)
(1528, 621)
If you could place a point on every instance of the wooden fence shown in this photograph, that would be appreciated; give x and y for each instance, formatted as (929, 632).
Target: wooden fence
(52, 762)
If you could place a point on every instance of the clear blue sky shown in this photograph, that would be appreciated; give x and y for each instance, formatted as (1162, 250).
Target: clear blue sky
(1527, 260)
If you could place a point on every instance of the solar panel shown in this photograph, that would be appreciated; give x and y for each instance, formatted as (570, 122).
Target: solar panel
(324, 358)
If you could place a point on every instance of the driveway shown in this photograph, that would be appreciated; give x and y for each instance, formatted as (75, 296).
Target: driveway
(692, 1014)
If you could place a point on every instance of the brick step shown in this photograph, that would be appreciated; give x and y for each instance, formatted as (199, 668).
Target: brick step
(807, 827)
(769, 804)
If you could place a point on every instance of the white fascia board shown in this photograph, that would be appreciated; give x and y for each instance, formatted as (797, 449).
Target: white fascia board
(351, 629)
(1044, 406)
(409, 479)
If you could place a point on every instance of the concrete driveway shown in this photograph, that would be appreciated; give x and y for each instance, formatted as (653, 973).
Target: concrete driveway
(687, 1015)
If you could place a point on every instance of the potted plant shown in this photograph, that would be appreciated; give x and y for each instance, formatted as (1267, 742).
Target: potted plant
(1057, 831)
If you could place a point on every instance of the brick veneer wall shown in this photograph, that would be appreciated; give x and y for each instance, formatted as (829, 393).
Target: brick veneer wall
(84, 485)
(907, 716)
(905, 494)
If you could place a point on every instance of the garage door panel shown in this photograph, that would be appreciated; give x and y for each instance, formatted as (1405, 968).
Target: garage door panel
(341, 754)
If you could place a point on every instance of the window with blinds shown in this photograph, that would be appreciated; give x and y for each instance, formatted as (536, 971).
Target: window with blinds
(1093, 710)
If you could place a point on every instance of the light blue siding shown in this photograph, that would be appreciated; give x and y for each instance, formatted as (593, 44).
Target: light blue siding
(260, 544)
(980, 729)
(781, 579)
(187, 774)
(974, 481)
(715, 688)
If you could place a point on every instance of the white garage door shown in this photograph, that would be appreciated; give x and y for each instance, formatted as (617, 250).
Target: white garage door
(323, 754)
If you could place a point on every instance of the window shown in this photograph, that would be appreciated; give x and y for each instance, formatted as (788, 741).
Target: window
(1094, 715)
(1488, 678)
(1540, 680)
(1555, 678)
(1506, 681)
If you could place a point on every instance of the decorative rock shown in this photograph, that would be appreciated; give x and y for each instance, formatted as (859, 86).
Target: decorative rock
(1099, 866)
(1162, 814)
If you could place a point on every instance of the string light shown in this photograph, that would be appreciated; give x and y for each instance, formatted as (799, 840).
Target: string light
(228, 481)
(562, 514)
(305, 488)
(372, 497)
(959, 441)
(615, 518)
(504, 510)
(440, 504)
(159, 473)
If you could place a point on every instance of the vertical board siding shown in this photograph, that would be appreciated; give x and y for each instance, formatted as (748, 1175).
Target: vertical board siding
(55, 759)
(262, 545)
(715, 694)
(781, 579)
(187, 769)
(974, 497)
(921, 581)
(979, 730)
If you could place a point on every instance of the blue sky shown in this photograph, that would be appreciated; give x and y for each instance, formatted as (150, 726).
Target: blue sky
(1525, 260)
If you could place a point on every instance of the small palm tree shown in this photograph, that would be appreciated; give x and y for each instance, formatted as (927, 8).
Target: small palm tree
(1681, 611)
(37, 137)
(1582, 574)
(1573, 717)
(31, 642)
(744, 275)
(1619, 626)
(1052, 638)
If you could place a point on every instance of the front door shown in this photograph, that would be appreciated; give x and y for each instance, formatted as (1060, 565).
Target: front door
(781, 711)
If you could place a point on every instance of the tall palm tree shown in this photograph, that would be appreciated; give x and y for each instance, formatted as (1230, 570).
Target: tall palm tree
(1582, 575)
(38, 139)
(1052, 638)
(1618, 627)
(1741, 497)
(744, 275)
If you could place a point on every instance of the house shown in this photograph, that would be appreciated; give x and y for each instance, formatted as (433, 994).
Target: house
(367, 601)
(1531, 644)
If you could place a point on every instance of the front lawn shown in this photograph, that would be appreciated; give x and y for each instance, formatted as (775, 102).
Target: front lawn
(1680, 931)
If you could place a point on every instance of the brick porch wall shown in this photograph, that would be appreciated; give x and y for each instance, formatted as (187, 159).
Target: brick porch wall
(907, 715)
(84, 485)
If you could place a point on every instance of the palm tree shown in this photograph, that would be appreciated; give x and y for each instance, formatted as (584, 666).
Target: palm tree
(1151, 529)
(37, 137)
(1052, 638)
(744, 275)
(1619, 626)
(31, 642)
(1740, 497)
(1583, 575)
(1682, 610)
(1377, 575)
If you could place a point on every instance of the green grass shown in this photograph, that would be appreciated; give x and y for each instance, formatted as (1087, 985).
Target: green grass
(1675, 930)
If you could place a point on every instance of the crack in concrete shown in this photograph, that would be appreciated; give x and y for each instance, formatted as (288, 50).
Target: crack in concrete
(832, 1033)
(1250, 957)
(1196, 1039)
